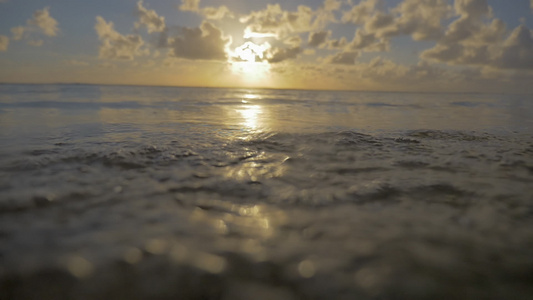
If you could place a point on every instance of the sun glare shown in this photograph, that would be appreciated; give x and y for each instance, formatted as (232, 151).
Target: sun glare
(251, 52)
(248, 61)
(250, 115)
(248, 34)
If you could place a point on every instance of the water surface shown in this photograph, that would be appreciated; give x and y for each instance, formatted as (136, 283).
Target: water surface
(191, 193)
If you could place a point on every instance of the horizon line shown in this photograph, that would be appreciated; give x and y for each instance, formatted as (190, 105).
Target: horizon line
(267, 88)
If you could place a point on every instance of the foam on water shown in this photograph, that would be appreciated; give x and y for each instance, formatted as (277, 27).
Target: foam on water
(164, 193)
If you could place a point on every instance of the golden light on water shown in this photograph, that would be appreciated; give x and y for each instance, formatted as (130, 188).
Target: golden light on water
(250, 96)
(251, 115)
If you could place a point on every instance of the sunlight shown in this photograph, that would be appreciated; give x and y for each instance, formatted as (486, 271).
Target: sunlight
(250, 97)
(248, 61)
(248, 33)
(251, 52)
(250, 115)
(252, 73)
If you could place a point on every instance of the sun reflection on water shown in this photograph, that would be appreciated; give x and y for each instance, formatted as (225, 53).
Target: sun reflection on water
(250, 114)
(251, 96)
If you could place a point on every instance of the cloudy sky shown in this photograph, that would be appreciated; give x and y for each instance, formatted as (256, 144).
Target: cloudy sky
(394, 45)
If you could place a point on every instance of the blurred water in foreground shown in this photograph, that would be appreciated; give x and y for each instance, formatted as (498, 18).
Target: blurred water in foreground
(187, 193)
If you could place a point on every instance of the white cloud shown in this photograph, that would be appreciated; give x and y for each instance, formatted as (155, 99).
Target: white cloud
(150, 19)
(477, 38)
(343, 58)
(325, 13)
(275, 21)
(213, 13)
(190, 5)
(18, 32)
(361, 12)
(40, 23)
(471, 21)
(276, 55)
(4, 42)
(217, 13)
(113, 45)
(206, 42)
(332, 5)
(419, 18)
(368, 42)
(422, 19)
(43, 20)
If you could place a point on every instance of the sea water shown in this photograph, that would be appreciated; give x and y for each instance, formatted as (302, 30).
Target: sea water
(129, 192)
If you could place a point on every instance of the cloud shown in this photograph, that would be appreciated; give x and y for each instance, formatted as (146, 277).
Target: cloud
(419, 18)
(150, 19)
(18, 32)
(206, 42)
(43, 20)
(360, 13)
(422, 19)
(318, 38)
(332, 5)
(190, 5)
(213, 13)
(40, 23)
(325, 13)
(4, 42)
(217, 13)
(113, 45)
(517, 51)
(337, 44)
(343, 58)
(35, 43)
(472, 8)
(470, 22)
(368, 42)
(476, 38)
(379, 21)
(381, 73)
(280, 23)
(293, 41)
(531, 5)
(276, 55)
(384, 74)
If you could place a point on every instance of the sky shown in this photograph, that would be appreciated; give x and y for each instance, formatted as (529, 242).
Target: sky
(382, 45)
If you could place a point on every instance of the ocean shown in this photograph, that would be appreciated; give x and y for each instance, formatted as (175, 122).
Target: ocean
(131, 192)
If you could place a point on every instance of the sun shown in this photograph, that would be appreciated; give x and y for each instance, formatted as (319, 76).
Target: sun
(250, 63)
(251, 52)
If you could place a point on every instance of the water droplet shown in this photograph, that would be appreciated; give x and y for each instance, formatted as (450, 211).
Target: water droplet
(133, 256)
(156, 246)
(79, 266)
(306, 269)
